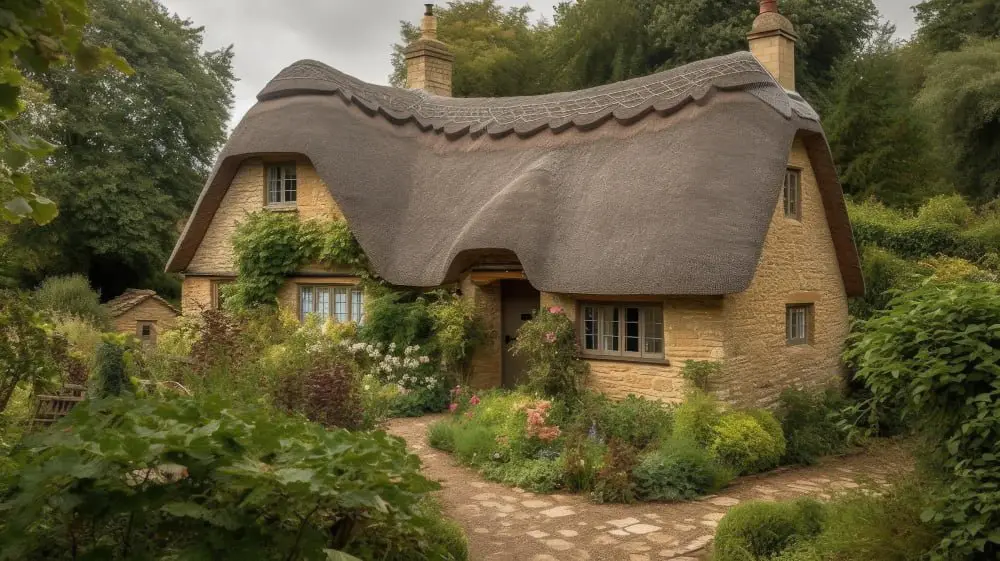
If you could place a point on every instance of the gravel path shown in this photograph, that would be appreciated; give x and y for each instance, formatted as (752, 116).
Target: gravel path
(506, 523)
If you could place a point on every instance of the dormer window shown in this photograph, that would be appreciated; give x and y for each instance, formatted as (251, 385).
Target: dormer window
(282, 184)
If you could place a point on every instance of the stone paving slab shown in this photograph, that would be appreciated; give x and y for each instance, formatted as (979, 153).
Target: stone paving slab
(510, 524)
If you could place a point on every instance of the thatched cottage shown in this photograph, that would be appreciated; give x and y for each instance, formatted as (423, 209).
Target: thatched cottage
(693, 214)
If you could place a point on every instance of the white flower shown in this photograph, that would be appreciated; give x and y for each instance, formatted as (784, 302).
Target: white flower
(367, 387)
(425, 359)
(392, 347)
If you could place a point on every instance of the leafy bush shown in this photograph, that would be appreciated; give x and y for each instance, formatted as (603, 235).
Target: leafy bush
(862, 526)
(329, 395)
(809, 423)
(614, 482)
(936, 354)
(403, 318)
(29, 356)
(701, 372)
(139, 478)
(474, 443)
(72, 296)
(420, 401)
(681, 470)
(908, 237)
(696, 417)
(441, 435)
(759, 530)
(536, 475)
(582, 460)
(457, 330)
(946, 209)
(637, 421)
(953, 269)
(549, 344)
(884, 273)
(110, 375)
(748, 442)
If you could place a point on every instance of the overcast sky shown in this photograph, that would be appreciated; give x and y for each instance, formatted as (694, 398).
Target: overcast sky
(354, 36)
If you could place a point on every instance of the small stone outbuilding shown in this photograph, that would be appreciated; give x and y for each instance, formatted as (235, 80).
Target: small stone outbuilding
(141, 313)
(692, 214)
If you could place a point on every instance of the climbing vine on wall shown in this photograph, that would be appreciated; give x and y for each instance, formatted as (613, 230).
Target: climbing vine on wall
(269, 246)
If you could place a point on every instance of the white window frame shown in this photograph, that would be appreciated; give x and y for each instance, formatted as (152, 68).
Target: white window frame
(281, 184)
(607, 332)
(799, 323)
(344, 303)
(791, 194)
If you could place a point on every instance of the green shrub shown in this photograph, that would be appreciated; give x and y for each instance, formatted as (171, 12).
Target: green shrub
(458, 330)
(936, 354)
(696, 417)
(745, 444)
(441, 435)
(201, 479)
(29, 356)
(548, 343)
(637, 421)
(884, 273)
(809, 423)
(906, 236)
(537, 475)
(419, 402)
(863, 526)
(946, 209)
(110, 373)
(701, 372)
(328, 394)
(614, 482)
(403, 318)
(582, 461)
(758, 530)
(72, 296)
(681, 470)
(475, 443)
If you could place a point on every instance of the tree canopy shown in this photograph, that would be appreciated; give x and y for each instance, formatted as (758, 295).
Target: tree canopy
(135, 150)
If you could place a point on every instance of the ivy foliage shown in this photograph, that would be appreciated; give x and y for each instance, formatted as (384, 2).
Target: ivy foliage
(269, 246)
(135, 478)
(935, 355)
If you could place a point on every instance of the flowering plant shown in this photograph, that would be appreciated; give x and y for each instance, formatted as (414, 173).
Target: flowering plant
(407, 367)
(548, 343)
(537, 423)
(462, 399)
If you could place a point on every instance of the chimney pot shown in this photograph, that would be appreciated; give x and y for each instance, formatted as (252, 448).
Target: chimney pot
(768, 6)
(428, 9)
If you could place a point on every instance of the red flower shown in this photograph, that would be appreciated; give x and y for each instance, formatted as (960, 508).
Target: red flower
(556, 310)
(453, 407)
(474, 400)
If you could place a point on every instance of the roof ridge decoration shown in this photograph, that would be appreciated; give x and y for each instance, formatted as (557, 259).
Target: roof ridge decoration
(626, 101)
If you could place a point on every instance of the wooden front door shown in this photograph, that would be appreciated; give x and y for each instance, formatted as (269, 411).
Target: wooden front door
(518, 303)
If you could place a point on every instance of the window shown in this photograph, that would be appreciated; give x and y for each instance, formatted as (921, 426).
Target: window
(791, 194)
(342, 303)
(217, 294)
(145, 331)
(281, 184)
(798, 324)
(625, 330)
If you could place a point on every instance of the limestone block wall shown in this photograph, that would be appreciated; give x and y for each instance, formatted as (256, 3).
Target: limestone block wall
(487, 360)
(196, 294)
(247, 194)
(797, 265)
(148, 310)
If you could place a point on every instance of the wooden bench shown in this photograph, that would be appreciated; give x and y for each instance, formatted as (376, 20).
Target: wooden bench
(51, 408)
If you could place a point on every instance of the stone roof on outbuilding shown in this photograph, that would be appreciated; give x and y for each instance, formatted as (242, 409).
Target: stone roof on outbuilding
(663, 184)
(132, 298)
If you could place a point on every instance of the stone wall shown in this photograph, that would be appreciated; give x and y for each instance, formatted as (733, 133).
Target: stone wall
(247, 194)
(196, 295)
(149, 309)
(487, 360)
(798, 264)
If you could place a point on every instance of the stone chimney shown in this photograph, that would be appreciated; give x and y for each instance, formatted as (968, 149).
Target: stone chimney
(772, 41)
(428, 61)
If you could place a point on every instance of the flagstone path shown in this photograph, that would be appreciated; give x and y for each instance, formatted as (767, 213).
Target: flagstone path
(506, 523)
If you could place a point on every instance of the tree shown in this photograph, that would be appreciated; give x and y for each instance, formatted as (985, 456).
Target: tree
(135, 149)
(35, 36)
(962, 96)
(946, 25)
(882, 146)
(497, 52)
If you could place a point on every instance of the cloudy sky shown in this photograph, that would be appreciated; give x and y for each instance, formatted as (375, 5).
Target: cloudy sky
(355, 36)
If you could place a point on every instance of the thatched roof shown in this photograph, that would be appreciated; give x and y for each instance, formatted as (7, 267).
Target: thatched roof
(664, 184)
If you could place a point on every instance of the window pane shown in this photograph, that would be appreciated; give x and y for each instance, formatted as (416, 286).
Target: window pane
(652, 341)
(340, 304)
(631, 330)
(609, 331)
(590, 328)
(797, 324)
(357, 306)
(291, 184)
(323, 303)
(273, 184)
(305, 301)
(791, 193)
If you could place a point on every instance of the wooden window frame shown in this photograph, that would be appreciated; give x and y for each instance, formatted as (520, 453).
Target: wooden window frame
(603, 337)
(354, 304)
(792, 338)
(140, 324)
(283, 200)
(792, 205)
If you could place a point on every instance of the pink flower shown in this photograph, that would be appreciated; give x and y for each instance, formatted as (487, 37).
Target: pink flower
(469, 414)
(474, 400)
(453, 407)
(550, 337)
(555, 310)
